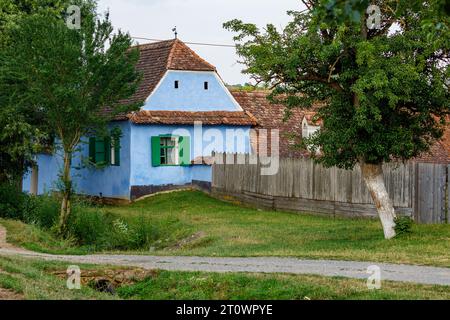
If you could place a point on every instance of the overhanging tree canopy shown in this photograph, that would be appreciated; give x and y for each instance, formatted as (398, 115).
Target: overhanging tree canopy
(385, 88)
(69, 76)
(21, 127)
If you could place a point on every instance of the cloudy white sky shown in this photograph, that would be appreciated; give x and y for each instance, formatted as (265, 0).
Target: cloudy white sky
(198, 21)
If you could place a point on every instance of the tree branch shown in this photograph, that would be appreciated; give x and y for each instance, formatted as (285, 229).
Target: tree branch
(317, 78)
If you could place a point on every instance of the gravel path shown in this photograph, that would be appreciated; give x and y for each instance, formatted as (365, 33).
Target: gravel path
(351, 269)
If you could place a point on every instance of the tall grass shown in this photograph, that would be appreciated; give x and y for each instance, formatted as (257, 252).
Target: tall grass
(102, 230)
(89, 225)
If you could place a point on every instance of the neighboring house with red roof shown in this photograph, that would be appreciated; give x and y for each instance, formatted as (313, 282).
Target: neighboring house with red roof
(302, 123)
(158, 143)
(271, 117)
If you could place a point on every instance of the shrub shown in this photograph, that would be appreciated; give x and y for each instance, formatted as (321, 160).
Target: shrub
(119, 236)
(12, 202)
(89, 226)
(144, 233)
(102, 230)
(137, 234)
(403, 225)
(42, 211)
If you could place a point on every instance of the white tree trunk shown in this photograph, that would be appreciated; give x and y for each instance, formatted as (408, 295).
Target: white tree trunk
(373, 177)
(66, 194)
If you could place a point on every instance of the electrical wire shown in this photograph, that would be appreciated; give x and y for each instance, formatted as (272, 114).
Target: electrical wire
(192, 43)
(200, 43)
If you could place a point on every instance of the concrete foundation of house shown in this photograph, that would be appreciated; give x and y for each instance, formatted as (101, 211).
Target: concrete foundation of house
(141, 191)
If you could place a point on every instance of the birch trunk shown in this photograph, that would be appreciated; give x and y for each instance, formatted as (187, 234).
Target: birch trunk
(373, 177)
(66, 194)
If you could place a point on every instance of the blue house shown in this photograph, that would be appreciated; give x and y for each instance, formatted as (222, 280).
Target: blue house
(188, 114)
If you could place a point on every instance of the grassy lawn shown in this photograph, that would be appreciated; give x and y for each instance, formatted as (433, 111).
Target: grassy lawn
(35, 239)
(30, 280)
(193, 223)
(232, 286)
(36, 280)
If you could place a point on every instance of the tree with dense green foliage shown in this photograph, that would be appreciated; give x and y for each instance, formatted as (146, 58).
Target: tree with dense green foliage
(21, 128)
(385, 84)
(69, 76)
(12, 10)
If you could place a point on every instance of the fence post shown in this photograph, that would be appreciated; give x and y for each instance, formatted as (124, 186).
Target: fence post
(415, 199)
(447, 200)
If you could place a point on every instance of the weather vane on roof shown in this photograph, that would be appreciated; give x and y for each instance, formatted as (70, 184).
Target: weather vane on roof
(175, 32)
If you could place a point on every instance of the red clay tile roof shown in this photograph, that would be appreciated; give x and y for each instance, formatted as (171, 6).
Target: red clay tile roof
(238, 118)
(440, 151)
(270, 116)
(157, 58)
(154, 61)
(182, 57)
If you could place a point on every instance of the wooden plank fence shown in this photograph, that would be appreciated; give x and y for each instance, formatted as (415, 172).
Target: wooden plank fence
(419, 190)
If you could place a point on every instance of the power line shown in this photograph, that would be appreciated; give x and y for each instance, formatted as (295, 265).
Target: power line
(192, 43)
(199, 43)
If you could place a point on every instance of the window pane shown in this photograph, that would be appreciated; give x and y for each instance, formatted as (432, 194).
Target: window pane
(169, 150)
(171, 156)
(113, 153)
(163, 155)
(168, 141)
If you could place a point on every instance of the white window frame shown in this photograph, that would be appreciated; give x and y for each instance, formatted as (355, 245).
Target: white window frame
(308, 131)
(177, 151)
(113, 152)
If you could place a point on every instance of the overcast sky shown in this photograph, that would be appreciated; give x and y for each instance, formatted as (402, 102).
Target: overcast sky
(198, 21)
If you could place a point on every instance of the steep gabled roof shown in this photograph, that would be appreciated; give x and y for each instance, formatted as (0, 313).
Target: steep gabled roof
(182, 57)
(154, 61)
(159, 57)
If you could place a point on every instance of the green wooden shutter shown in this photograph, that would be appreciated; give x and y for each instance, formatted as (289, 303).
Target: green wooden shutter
(156, 151)
(185, 151)
(117, 150)
(107, 146)
(99, 150)
(92, 149)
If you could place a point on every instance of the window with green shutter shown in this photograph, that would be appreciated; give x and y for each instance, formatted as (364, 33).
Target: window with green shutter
(115, 151)
(104, 151)
(156, 161)
(170, 150)
(100, 152)
(92, 149)
(184, 151)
